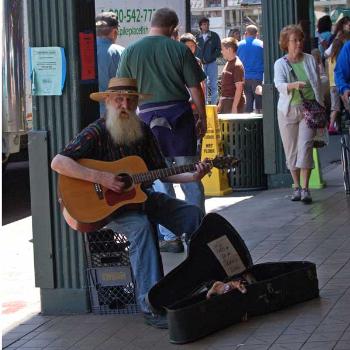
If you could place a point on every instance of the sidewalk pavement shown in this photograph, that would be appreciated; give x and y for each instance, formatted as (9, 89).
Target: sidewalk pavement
(274, 228)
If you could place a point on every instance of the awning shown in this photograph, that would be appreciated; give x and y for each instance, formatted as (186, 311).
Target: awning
(250, 2)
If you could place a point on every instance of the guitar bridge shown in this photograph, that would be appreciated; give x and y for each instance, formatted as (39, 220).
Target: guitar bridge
(98, 190)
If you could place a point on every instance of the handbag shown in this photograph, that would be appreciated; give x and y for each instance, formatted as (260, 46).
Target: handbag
(314, 114)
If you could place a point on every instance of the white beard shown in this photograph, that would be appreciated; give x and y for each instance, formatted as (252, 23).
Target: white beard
(123, 130)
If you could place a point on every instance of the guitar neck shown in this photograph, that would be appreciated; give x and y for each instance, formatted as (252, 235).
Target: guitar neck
(153, 175)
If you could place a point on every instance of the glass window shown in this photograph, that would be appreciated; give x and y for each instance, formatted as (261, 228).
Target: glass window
(212, 3)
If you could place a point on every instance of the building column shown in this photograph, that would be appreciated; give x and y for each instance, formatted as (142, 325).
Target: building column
(58, 251)
(277, 14)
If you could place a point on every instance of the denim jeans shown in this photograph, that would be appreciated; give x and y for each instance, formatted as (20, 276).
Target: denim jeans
(249, 91)
(178, 216)
(194, 191)
(211, 70)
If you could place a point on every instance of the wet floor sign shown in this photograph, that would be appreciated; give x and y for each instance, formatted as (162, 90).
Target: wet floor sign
(215, 183)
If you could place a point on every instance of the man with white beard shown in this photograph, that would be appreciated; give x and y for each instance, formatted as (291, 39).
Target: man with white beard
(123, 134)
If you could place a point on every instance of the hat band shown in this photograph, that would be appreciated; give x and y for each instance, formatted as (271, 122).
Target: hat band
(122, 88)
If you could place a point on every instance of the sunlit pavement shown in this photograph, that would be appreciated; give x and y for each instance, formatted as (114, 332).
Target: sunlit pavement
(273, 227)
(19, 298)
(18, 295)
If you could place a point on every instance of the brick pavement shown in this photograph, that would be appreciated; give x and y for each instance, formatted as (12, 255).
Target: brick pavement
(274, 229)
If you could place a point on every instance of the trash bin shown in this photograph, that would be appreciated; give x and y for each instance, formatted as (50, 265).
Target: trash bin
(243, 138)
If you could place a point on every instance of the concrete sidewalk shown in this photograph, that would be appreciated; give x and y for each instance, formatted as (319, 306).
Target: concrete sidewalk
(274, 228)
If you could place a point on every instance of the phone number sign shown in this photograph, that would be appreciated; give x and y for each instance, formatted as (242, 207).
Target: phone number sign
(134, 16)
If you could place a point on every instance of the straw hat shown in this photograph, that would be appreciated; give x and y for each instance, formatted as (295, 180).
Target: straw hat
(119, 86)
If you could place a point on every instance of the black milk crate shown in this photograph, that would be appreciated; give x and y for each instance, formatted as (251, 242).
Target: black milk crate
(109, 274)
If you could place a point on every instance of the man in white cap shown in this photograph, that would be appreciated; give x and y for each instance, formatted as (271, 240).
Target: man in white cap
(108, 52)
(121, 133)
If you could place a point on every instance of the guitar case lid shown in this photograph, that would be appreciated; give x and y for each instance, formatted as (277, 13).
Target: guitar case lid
(216, 251)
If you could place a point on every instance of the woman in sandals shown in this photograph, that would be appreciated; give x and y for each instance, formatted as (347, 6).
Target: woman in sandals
(295, 72)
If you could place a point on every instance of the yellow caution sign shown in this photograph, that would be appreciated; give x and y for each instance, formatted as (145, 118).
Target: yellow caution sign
(215, 183)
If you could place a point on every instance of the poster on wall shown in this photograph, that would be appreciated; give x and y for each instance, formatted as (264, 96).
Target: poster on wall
(47, 70)
(134, 16)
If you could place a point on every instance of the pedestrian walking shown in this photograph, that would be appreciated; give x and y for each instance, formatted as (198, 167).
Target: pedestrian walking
(342, 27)
(251, 53)
(232, 98)
(337, 44)
(190, 41)
(235, 33)
(297, 137)
(324, 34)
(209, 49)
(169, 70)
(168, 240)
(108, 52)
(342, 74)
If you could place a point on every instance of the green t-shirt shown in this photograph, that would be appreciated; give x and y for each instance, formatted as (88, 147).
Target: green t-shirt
(307, 91)
(162, 67)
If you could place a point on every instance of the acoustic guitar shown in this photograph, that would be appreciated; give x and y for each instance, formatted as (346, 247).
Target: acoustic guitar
(88, 206)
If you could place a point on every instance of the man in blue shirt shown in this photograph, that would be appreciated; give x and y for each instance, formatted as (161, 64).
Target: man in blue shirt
(209, 49)
(342, 74)
(251, 53)
(108, 53)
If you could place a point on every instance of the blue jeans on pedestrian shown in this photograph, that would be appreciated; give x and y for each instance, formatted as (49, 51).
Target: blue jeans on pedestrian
(194, 191)
(211, 70)
(177, 215)
(251, 97)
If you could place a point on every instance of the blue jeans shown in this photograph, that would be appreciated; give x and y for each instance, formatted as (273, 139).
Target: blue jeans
(211, 70)
(249, 91)
(178, 216)
(194, 191)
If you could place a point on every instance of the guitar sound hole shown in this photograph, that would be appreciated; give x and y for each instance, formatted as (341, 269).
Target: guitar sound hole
(126, 178)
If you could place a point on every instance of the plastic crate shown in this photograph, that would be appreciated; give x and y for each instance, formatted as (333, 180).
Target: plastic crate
(109, 274)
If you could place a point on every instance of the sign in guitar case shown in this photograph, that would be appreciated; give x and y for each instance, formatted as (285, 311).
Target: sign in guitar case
(217, 253)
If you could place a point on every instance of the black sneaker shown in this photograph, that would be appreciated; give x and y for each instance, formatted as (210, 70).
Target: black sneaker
(156, 320)
(173, 246)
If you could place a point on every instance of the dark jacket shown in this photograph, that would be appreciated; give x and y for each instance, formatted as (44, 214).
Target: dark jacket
(209, 50)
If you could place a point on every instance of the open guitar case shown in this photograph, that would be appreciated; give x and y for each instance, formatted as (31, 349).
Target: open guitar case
(217, 253)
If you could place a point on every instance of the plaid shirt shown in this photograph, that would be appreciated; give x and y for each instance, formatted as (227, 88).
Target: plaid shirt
(95, 142)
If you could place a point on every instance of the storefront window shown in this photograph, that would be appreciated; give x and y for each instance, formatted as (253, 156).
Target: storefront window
(335, 9)
(213, 3)
(240, 18)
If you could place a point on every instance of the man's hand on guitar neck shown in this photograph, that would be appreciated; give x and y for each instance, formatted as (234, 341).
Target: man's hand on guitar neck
(202, 168)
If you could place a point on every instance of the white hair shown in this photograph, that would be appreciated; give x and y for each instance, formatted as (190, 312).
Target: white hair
(123, 125)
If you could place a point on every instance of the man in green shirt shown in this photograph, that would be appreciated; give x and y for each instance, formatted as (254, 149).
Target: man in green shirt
(168, 69)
